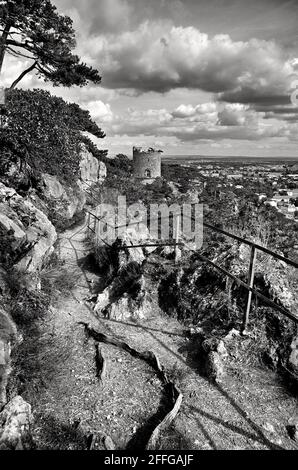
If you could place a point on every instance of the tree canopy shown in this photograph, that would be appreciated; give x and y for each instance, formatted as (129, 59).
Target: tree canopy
(44, 133)
(35, 31)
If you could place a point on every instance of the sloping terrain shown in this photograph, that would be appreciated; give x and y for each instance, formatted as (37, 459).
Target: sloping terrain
(76, 410)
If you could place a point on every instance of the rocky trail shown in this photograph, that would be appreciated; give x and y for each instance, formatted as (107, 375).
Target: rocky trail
(78, 409)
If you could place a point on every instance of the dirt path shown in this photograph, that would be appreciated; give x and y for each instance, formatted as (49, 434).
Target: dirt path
(247, 412)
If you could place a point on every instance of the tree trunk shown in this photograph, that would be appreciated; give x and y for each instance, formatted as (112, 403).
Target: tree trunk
(3, 40)
(14, 84)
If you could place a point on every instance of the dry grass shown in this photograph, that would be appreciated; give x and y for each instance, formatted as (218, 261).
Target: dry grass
(37, 362)
(177, 374)
(56, 281)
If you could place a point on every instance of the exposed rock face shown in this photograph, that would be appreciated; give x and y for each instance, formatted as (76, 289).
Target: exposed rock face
(293, 359)
(120, 254)
(15, 423)
(8, 336)
(205, 297)
(128, 308)
(28, 233)
(92, 171)
(125, 290)
(66, 201)
(125, 296)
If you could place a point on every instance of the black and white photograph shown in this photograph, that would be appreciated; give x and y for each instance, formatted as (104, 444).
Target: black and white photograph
(149, 229)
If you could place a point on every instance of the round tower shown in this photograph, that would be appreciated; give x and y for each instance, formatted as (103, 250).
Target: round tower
(146, 164)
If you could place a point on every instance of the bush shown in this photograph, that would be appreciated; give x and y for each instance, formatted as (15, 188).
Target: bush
(44, 133)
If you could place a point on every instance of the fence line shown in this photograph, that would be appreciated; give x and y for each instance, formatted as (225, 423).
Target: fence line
(255, 247)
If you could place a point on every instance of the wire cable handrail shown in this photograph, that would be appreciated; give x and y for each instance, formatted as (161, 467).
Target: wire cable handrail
(254, 248)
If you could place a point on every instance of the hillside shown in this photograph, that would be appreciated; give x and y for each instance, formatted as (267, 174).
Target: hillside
(80, 317)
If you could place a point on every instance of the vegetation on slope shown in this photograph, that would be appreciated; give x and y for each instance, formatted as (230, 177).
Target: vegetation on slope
(43, 133)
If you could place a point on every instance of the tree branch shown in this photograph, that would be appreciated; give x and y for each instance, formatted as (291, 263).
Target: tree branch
(32, 67)
(23, 45)
(19, 54)
(3, 41)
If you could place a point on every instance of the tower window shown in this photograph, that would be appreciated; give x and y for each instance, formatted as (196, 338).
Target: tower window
(147, 173)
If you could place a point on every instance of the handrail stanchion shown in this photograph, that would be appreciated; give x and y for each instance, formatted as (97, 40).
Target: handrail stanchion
(177, 235)
(251, 277)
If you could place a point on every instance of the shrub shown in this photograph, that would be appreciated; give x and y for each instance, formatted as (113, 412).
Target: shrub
(44, 133)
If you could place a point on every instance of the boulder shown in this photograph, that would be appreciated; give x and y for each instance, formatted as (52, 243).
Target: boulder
(216, 356)
(29, 235)
(127, 308)
(15, 425)
(118, 251)
(125, 296)
(214, 367)
(126, 289)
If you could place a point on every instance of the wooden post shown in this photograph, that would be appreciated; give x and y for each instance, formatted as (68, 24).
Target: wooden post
(251, 277)
(177, 235)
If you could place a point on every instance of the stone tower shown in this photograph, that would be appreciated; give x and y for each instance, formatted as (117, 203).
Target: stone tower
(146, 164)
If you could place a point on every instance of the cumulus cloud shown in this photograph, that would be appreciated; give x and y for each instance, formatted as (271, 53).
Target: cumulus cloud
(141, 47)
(204, 122)
(158, 56)
(188, 111)
(100, 111)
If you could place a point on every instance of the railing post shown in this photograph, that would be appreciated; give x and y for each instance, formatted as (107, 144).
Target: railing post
(251, 277)
(177, 235)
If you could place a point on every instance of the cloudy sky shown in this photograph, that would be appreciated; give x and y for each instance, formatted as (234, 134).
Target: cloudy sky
(208, 77)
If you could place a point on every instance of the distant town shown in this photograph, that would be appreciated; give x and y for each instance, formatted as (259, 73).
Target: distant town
(276, 182)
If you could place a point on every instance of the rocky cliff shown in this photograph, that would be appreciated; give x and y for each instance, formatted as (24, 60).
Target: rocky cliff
(28, 223)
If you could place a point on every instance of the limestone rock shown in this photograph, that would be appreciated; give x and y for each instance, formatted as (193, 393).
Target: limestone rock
(292, 428)
(15, 423)
(66, 201)
(29, 234)
(103, 300)
(125, 296)
(127, 308)
(215, 359)
(52, 187)
(214, 366)
(293, 359)
(4, 369)
(120, 253)
(92, 171)
(8, 336)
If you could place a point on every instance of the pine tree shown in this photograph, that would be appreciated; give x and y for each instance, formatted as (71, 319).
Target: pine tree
(35, 31)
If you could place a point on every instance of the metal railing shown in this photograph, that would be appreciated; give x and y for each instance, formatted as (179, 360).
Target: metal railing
(254, 249)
